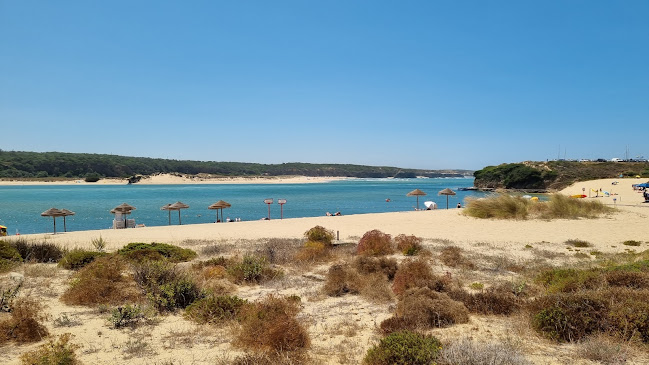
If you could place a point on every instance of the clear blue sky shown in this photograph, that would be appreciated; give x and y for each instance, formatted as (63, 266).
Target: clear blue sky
(423, 84)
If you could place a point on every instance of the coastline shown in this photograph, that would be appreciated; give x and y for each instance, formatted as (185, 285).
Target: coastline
(170, 179)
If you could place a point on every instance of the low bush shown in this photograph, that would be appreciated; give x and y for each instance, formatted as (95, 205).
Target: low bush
(103, 281)
(127, 316)
(466, 351)
(570, 280)
(8, 295)
(417, 274)
(9, 256)
(564, 207)
(165, 286)
(313, 252)
(143, 251)
(99, 244)
(404, 348)
(490, 301)
(504, 206)
(251, 269)
(38, 252)
(632, 243)
(319, 234)
(375, 243)
(501, 206)
(342, 279)
(452, 256)
(215, 309)
(280, 251)
(577, 243)
(408, 245)
(59, 352)
(376, 288)
(423, 308)
(369, 265)
(25, 323)
(603, 349)
(270, 325)
(627, 279)
(76, 259)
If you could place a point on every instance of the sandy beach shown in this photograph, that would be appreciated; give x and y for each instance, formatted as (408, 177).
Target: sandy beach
(349, 322)
(170, 179)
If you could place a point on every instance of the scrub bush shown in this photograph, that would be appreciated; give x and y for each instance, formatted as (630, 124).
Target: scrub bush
(408, 245)
(25, 323)
(76, 259)
(466, 351)
(417, 274)
(128, 315)
(215, 309)
(270, 325)
(60, 352)
(38, 252)
(141, 251)
(319, 234)
(369, 265)
(342, 279)
(375, 243)
(9, 256)
(251, 269)
(452, 256)
(490, 301)
(313, 252)
(165, 286)
(404, 348)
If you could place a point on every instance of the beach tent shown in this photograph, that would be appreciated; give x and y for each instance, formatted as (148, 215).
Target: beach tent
(178, 206)
(430, 205)
(53, 212)
(416, 193)
(65, 214)
(446, 192)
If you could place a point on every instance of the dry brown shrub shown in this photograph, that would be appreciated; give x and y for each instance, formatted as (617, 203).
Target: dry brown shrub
(452, 256)
(25, 322)
(423, 308)
(375, 288)
(368, 265)
(375, 243)
(417, 274)
(408, 245)
(629, 279)
(604, 349)
(102, 282)
(313, 252)
(280, 251)
(270, 325)
(490, 301)
(342, 279)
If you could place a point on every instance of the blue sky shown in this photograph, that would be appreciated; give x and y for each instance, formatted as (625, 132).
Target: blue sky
(423, 84)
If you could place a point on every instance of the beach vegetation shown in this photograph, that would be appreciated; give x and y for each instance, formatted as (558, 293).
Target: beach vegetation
(408, 245)
(578, 243)
(494, 300)
(467, 351)
(270, 325)
(280, 251)
(632, 243)
(404, 348)
(417, 274)
(78, 258)
(9, 256)
(313, 252)
(99, 243)
(505, 206)
(103, 281)
(452, 256)
(476, 286)
(215, 309)
(375, 243)
(320, 234)
(604, 349)
(369, 265)
(138, 252)
(60, 351)
(38, 251)
(342, 279)
(25, 323)
(252, 270)
(128, 316)
(165, 286)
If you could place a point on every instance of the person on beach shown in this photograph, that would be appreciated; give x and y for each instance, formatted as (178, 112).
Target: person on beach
(459, 205)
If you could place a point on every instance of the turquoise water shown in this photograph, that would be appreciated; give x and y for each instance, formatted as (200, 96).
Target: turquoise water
(20, 206)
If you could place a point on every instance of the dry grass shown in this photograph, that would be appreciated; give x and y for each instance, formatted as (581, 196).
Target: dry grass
(604, 349)
(417, 274)
(369, 265)
(25, 323)
(452, 256)
(466, 351)
(60, 352)
(490, 301)
(342, 279)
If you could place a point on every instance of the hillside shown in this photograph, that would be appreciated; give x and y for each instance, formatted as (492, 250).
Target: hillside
(43, 165)
(553, 174)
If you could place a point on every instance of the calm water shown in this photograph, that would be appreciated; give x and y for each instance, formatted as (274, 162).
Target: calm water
(20, 206)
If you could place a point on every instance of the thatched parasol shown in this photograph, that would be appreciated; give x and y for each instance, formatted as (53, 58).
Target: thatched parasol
(65, 214)
(219, 205)
(416, 193)
(123, 209)
(166, 207)
(53, 212)
(178, 206)
(446, 192)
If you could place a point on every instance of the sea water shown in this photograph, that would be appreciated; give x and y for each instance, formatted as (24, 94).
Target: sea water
(20, 206)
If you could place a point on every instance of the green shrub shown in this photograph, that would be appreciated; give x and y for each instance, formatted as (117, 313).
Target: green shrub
(59, 352)
(251, 269)
(375, 243)
(408, 245)
(564, 207)
(577, 243)
(313, 252)
(9, 256)
(215, 309)
(128, 315)
(405, 348)
(319, 234)
(99, 244)
(166, 287)
(38, 252)
(570, 280)
(142, 251)
(76, 259)
(632, 243)
(501, 206)
(7, 297)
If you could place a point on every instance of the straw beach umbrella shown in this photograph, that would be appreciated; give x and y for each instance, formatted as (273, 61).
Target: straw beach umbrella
(65, 214)
(166, 207)
(178, 206)
(53, 212)
(219, 205)
(123, 209)
(416, 193)
(446, 192)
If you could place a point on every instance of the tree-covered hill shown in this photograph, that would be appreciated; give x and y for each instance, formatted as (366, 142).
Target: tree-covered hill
(30, 165)
(553, 174)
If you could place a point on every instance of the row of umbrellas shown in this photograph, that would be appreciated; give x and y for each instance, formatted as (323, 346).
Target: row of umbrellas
(419, 193)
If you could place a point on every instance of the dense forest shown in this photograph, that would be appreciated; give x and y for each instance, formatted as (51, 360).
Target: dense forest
(43, 165)
(553, 174)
